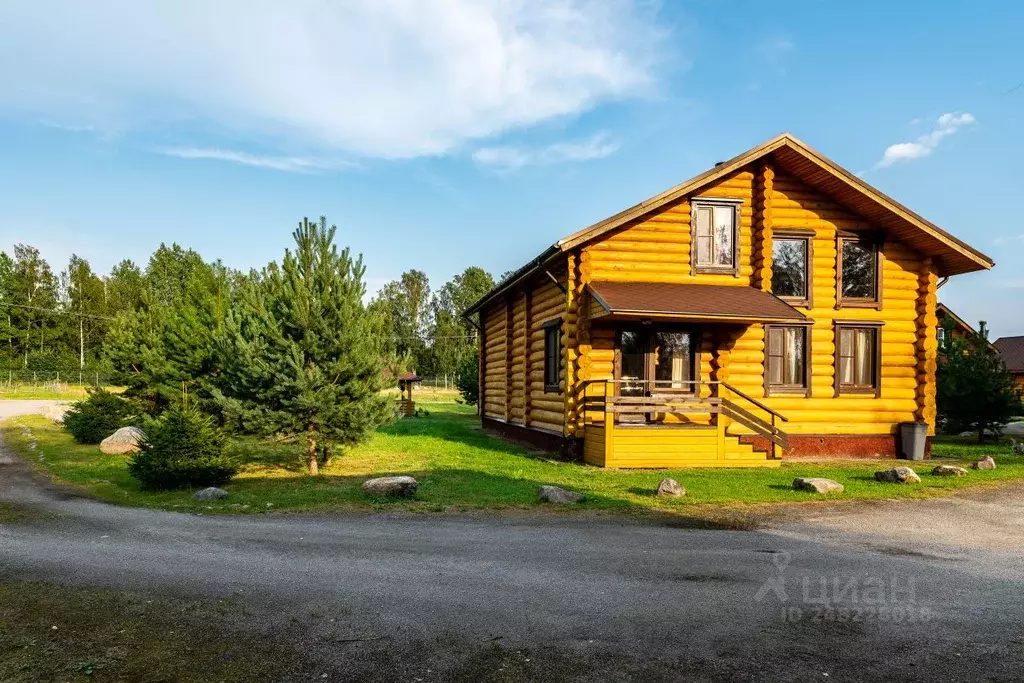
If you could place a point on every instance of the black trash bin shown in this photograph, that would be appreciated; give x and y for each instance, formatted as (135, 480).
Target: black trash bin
(913, 436)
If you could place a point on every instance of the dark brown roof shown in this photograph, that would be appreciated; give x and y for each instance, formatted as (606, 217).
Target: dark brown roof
(1012, 351)
(707, 302)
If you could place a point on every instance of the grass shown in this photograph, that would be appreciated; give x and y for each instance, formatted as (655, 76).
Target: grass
(460, 467)
(57, 391)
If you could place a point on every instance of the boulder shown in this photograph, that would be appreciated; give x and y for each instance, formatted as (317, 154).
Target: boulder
(670, 488)
(124, 440)
(949, 471)
(1017, 448)
(966, 434)
(211, 493)
(554, 494)
(404, 487)
(986, 463)
(1013, 429)
(898, 475)
(818, 485)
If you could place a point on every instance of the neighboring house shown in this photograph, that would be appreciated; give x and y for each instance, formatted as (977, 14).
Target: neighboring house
(774, 303)
(958, 329)
(1012, 351)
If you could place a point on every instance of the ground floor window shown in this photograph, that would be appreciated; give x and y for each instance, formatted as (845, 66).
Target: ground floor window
(787, 359)
(552, 355)
(857, 358)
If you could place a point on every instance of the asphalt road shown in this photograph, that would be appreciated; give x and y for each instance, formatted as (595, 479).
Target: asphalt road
(607, 599)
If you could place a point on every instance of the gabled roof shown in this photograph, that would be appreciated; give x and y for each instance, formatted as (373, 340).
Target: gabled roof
(800, 160)
(942, 310)
(722, 303)
(1012, 351)
(952, 255)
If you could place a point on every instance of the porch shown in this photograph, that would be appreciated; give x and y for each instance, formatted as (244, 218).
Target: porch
(712, 425)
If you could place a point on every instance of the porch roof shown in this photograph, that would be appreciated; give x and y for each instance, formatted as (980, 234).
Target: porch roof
(722, 303)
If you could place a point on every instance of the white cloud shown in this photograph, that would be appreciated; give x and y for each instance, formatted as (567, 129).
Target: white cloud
(945, 125)
(1003, 239)
(290, 164)
(507, 159)
(378, 78)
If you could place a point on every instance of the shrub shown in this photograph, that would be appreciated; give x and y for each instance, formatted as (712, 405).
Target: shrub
(181, 449)
(97, 416)
(468, 379)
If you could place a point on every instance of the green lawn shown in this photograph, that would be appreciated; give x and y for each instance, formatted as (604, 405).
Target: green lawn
(22, 391)
(460, 467)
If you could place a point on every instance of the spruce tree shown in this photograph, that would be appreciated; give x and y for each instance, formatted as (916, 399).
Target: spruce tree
(975, 390)
(301, 354)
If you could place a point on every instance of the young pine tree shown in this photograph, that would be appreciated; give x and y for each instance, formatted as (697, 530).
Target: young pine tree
(301, 354)
(974, 389)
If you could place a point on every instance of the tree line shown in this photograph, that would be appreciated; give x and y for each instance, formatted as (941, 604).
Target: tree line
(151, 327)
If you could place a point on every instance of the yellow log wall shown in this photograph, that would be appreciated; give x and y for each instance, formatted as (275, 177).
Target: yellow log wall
(904, 274)
(657, 248)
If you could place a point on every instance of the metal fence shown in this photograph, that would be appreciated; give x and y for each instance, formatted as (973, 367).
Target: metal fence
(54, 378)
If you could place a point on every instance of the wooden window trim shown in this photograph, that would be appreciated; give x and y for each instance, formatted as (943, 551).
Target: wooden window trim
(556, 324)
(737, 228)
(876, 245)
(808, 236)
(783, 389)
(876, 371)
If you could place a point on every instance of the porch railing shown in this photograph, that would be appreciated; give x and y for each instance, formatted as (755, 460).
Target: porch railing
(647, 400)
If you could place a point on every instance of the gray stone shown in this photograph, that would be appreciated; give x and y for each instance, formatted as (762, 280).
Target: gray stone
(124, 440)
(1014, 429)
(949, 471)
(818, 485)
(211, 493)
(965, 434)
(670, 488)
(554, 494)
(403, 486)
(1016, 447)
(898, 475)
(986, 463)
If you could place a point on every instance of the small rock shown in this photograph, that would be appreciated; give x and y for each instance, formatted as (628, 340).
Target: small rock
(949, 471)
(554, 494)
(211, 493)
(670, 488)
(818, 485)
(124, 440)
(898, 475)
(404, 487)
(986, 463)
(966, 434)
(1017, 448)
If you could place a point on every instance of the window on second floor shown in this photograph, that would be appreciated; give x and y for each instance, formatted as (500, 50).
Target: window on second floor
(858, 281)
(791, 269)
(715, 239)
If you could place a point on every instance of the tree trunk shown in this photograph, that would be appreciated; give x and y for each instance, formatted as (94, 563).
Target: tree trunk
(81, 345)
(981, 434)
(311, 449)
(326, 455)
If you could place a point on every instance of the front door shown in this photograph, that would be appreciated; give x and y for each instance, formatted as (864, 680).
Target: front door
(656, 360)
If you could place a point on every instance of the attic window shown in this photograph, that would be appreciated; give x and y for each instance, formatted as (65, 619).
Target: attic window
(715, 240)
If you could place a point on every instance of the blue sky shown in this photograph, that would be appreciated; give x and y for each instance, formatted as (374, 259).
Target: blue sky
(440, 134)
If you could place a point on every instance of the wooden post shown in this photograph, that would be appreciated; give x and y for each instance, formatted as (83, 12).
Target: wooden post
(609, 432)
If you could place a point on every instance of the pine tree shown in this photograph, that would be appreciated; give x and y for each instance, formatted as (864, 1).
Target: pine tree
(975, 390)
(301, 353)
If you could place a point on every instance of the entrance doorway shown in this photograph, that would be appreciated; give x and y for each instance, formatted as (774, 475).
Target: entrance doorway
(656, 359)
